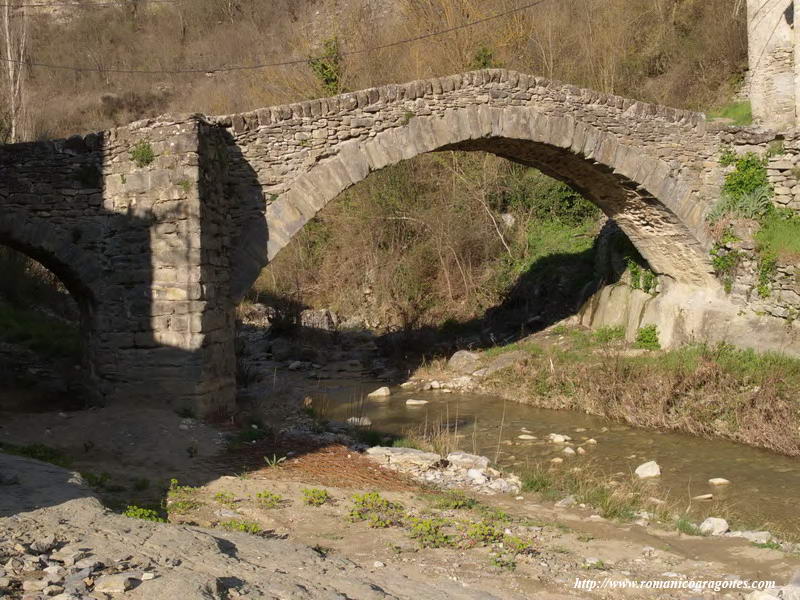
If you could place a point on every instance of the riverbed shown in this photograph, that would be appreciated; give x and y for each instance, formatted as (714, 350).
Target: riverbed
(764, 486)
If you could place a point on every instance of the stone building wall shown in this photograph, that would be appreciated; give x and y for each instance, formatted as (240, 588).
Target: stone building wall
(771, 57)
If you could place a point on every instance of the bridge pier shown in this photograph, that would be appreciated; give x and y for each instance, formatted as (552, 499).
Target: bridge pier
(140, 239)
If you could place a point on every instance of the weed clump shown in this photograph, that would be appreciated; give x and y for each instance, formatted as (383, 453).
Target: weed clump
(315, 496)
(376, 510)
(146, 514)
(142, 154)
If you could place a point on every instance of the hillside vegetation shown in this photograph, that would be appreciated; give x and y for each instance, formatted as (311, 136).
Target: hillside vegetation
(440, 238)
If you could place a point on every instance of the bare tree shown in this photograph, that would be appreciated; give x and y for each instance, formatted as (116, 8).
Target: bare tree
(14, 22)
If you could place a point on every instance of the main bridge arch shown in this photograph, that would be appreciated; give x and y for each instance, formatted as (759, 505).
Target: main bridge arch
(641, 164)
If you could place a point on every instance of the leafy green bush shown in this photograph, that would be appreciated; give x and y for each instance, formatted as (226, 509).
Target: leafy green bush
(142, 154)
(315, 496)
(746, 192)
(146, 514)
(647, 338)
(328, 66)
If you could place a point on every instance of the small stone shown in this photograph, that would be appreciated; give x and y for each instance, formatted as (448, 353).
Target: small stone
(147, 576)
(581, 451)
(295, 366)
(33, 585)
(714, 526)
(381, 392)
(53, 590)
(566, 502)
(360, 421)
(44, 544)
(525, 436)
(704, 497)
(412, 402)
(408, 385)
(648, 470)
(591, 441)
(558, 438)
(477, 476)
(378, 564)
(568, 451)
(718, 481)
(557, 460)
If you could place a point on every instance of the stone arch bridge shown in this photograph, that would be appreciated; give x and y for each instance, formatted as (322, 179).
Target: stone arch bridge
(158, 228)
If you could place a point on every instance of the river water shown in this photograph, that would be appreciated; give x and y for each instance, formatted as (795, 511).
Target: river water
(765, 487)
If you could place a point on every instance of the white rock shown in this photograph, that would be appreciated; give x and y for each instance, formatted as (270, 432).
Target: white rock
(591, 441)
(381, 392)
(477, 476)
(525, 436)
(409, 385)
(756, 537)
(378, 564)
(360, 421)
(718, 481)
(557, 460)
(568, 451)
(581, 451)
(407, 457)
(558, 438)
(714, 526)
(412, 402)
(704, 497)
(464, 460)
(295, 366)
(648, 470)
(566, 502)
(113, 584)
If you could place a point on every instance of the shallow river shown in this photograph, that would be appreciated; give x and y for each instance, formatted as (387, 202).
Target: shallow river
(764, 486)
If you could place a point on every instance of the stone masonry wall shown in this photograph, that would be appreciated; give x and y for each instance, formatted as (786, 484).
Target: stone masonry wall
(128, 240)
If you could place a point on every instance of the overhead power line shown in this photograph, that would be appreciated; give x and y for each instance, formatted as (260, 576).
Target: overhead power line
(285, 63)
(86, 4)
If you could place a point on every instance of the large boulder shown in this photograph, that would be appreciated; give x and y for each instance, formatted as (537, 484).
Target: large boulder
(403, 457)
(464, 362)
(714, 526)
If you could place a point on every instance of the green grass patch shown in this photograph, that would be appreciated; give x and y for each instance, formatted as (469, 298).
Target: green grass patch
(38, 332)
(740, 112)
(454, 500)
(146, 514)
(38, 452)
(779, 236)
(242, 526)
(429, 533)
(647, 338)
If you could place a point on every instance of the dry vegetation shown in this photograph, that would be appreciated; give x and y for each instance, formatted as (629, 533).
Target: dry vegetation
(687, 53)
(708, 391)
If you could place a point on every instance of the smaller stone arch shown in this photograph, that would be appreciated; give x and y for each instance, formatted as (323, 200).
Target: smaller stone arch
(78, 270)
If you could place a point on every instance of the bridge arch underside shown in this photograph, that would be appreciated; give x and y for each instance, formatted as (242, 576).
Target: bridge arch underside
(650, 200)
(668, 245)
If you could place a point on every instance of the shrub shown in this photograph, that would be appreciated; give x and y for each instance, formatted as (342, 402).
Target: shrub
(647, 338)
(327, 67)
(142, 154)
